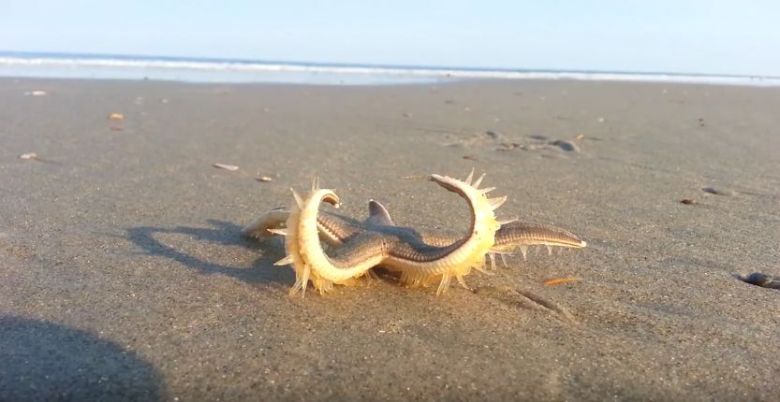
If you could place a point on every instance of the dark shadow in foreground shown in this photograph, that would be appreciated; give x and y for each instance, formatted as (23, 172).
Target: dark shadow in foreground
(223, 233)
(41, 361)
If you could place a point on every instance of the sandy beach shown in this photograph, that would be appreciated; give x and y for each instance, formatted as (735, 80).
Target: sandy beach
(124, 275)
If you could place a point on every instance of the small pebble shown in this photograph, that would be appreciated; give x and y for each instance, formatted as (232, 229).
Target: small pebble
(688, 201)
(231, 168)
(494, 135)
(116, 116)
(28, 156)
(36, 93)
(265, 179)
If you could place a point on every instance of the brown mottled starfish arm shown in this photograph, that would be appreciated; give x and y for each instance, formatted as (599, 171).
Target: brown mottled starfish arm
(519, 233)
(336, 229)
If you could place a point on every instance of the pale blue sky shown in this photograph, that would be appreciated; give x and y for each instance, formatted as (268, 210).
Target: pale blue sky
(717, 37)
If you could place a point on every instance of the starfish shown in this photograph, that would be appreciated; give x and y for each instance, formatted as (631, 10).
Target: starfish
(421, 257)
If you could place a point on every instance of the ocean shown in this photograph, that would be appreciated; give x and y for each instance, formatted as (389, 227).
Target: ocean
(208, 70)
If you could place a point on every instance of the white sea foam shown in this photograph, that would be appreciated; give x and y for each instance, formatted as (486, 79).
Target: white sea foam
(243, 71)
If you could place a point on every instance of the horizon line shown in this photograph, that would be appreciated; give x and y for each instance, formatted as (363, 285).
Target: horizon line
(97, 56)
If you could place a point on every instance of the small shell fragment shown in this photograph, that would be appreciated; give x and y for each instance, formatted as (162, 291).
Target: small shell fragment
(116, 116)
(231, 168)
(28, 156)
(265, 179)
(36, 93)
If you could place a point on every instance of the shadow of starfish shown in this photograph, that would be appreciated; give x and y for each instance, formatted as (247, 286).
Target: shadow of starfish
(221, 233)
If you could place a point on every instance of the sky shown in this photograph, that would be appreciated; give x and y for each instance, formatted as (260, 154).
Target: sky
(713, 37)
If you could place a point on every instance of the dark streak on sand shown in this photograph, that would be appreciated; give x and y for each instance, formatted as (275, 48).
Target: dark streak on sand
(717, 191)
(762, 280)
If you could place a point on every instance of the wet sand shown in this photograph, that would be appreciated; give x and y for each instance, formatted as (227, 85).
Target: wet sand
(123, 274)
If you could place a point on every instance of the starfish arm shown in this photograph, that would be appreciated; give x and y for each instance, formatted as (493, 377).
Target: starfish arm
(519, 234)
(273, 219)
(334, 229)
(378, 215)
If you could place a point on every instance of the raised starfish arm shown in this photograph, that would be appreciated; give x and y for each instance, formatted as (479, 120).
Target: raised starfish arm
(305, 253)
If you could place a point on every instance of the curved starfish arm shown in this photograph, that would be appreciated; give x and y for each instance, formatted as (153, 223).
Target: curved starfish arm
(520, 235)
(334, 229)
(273, 219)
(307, 256)
(514, 235)
(419, 264)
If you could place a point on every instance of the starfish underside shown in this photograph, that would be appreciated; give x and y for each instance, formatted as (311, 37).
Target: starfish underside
(420, 258)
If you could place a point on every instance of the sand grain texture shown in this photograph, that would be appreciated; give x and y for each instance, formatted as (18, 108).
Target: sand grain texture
(125, 249)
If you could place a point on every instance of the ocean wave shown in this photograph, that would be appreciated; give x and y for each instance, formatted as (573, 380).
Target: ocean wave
(435, 73)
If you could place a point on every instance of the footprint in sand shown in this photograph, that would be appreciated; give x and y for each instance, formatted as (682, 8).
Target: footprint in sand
(500, 142)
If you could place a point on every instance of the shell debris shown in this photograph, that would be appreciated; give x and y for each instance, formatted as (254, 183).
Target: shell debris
(264, 179)
(561, 281)
(231, 168)
(116, 116)
(28, 156)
